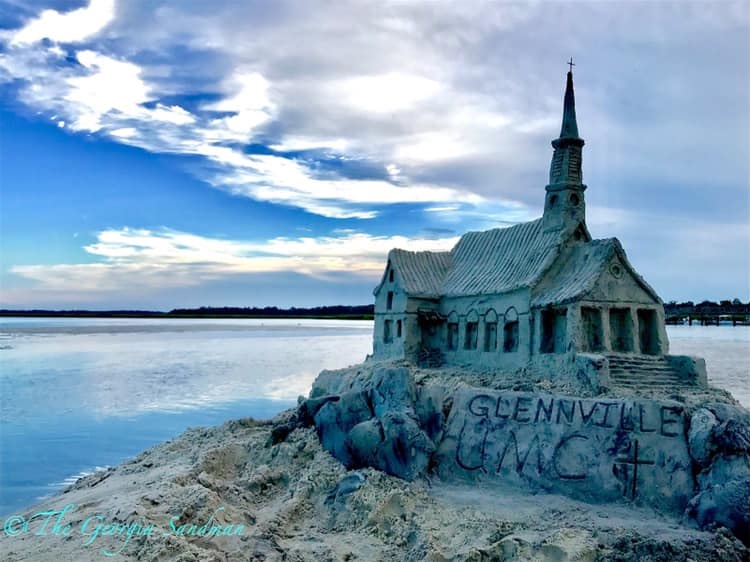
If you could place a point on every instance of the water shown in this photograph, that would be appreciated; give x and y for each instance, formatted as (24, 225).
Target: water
(726, 350)
(77, 394)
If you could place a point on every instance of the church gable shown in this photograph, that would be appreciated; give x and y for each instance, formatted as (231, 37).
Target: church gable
(417, 273)
(597, 271)
(618, 281)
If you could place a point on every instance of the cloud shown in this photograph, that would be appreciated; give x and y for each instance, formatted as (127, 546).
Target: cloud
(114, 97)
(134, 260)
(109, 86)
(286, 181)
(385, 93)
(71, 27)
(449, 106)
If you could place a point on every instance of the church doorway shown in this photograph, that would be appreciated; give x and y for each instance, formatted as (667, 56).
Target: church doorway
(620, 330)
(554, 328)
(647, 335)
(591, 324)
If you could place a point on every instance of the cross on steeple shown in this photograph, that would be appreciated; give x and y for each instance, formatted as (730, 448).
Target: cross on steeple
(571, 64)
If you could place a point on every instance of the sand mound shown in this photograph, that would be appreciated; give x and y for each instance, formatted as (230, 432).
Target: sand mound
(294, 501)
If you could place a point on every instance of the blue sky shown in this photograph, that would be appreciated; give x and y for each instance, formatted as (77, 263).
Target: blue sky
(165, 154)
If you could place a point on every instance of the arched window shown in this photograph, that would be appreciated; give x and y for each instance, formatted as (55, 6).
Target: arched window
(398, 328)
(510, 331)
(472, 330)
(452, 342)
(490, 330)
(387, 331)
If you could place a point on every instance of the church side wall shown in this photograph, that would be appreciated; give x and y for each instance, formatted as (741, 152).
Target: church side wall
(390, 312)
(479, 349)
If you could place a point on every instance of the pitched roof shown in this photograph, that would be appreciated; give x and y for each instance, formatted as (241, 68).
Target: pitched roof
(580, 270)
(501, 260)
(421, 273)
(505, 259)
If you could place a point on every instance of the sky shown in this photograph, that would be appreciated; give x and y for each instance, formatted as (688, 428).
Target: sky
(158, 154)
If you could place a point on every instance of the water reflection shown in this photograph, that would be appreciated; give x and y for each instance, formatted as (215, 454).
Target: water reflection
(124, 370)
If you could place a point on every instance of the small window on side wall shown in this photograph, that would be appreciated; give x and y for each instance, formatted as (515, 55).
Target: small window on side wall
(388, 331)
(470, 342)
(389, 301)
(390, 276)
(490, 336)
(398, 328)
(510, 337)
(452, 335)
(510, 331)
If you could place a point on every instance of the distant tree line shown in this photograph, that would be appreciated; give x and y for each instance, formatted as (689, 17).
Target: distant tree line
(83, 313)
(708, 311)
(364, 311)
(356, 312)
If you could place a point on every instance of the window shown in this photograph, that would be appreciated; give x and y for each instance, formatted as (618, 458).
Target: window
(387, 331)
(398, 328)
(452, 335)
(470, 341)
(390, 276)
(490, 336)
(510, 331)
(510, 337)
(389, 302)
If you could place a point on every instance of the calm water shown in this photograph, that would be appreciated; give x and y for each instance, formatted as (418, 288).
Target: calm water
(77, 394)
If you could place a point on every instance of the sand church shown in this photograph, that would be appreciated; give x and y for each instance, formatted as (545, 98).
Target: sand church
(538, 292)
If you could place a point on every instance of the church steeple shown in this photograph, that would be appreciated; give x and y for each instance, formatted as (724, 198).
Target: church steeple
(564, 205)
(569, 125)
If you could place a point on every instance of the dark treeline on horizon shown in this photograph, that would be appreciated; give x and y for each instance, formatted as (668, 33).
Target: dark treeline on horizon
(671, 308)
(365, 311)
(707, 311)
(735, 306)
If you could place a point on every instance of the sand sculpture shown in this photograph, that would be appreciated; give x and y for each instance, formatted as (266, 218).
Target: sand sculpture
(537, 357)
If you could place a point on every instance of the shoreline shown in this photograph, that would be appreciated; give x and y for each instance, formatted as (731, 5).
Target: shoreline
(292, 500)
(250, 489)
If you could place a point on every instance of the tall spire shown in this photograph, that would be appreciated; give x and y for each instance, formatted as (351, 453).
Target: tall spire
(564, 205)
(566, 160)
(569, 125)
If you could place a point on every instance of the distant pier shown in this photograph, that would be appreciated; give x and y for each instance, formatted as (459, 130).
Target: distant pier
(708, 313)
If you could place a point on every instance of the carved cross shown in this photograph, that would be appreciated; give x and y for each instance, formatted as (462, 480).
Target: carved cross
(634, 462)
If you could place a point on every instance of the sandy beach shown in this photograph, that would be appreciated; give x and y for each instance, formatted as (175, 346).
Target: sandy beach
(227, 494)
(246, 490)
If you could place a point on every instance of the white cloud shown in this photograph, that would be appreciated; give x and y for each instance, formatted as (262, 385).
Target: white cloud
(450, 101)
(124, 133)
(431, 147)
(173, 114)
(143, 260)
(292, 143)
(248, 101)
(110, 85)
(70, 27)
(385, 93)
(289, 182)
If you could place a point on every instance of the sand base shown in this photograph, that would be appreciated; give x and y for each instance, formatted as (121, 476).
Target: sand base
(285, 496)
